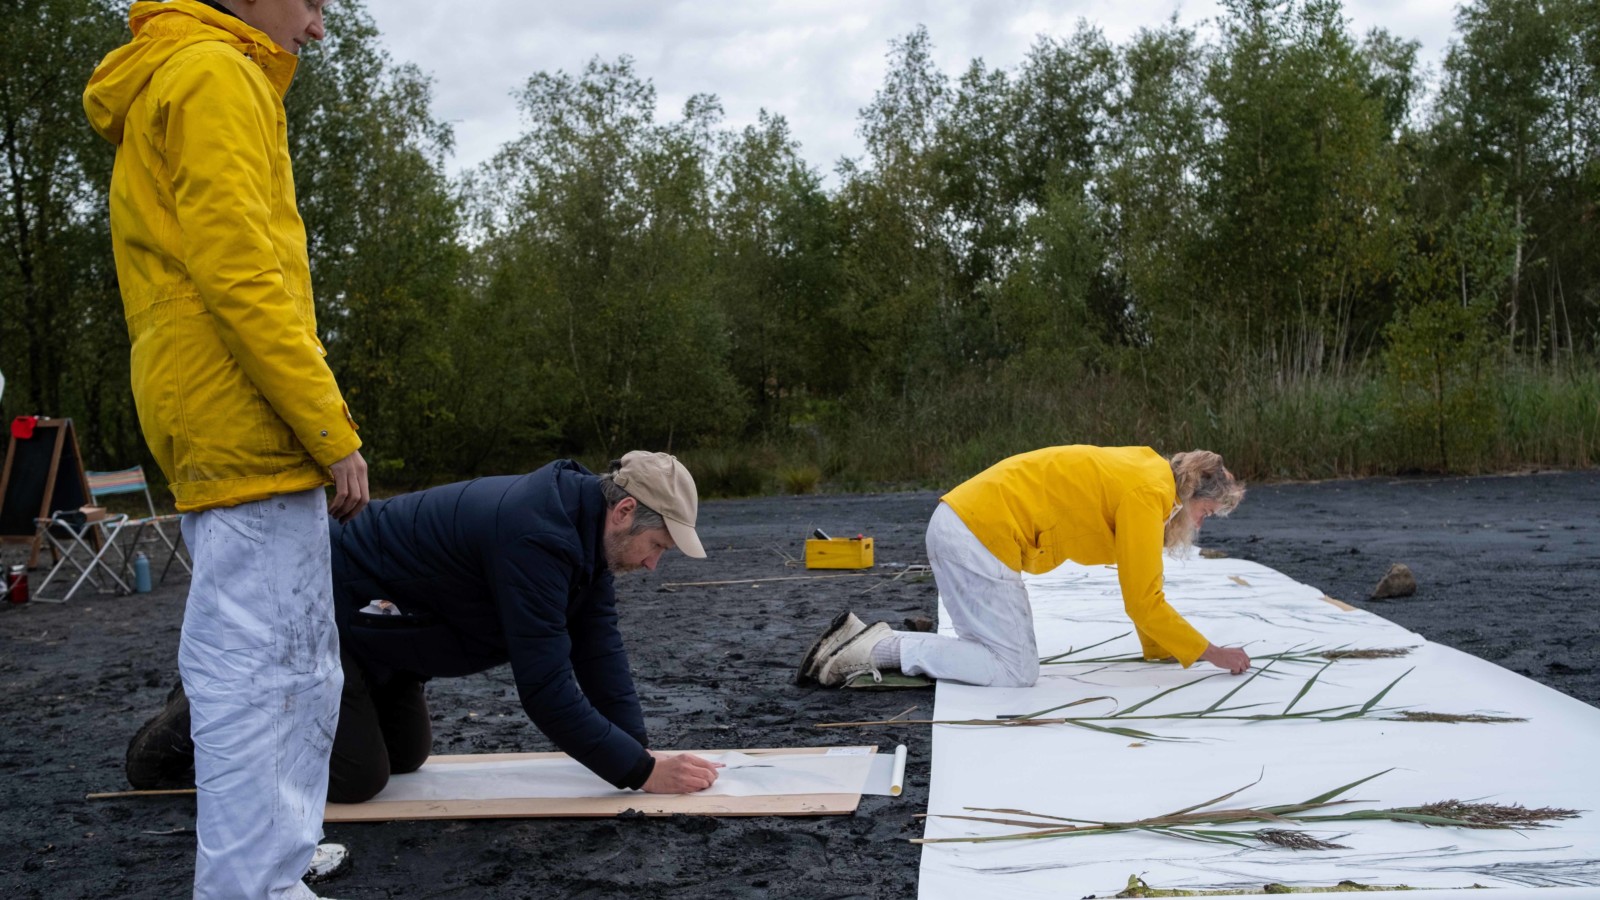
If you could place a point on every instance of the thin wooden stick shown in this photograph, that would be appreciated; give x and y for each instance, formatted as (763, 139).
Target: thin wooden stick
(117, 795)
(678, 584)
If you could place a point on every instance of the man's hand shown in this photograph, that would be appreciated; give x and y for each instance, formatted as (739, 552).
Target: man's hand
(680, 773)
(1231, 658)
(350, 494)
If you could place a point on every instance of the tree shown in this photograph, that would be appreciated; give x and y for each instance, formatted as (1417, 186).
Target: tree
(383, 226)
(776, 268)
(61, 323)
(1518, 106)
(899, 308)
(602, 249)
(1304, 181)
(1441, 353)
(1149, 189)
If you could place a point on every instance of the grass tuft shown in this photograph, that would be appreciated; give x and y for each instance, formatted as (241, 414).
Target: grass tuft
(799, 479)
(1295, 840)
(1191, 823)
(1489, 815)
(1416, 715)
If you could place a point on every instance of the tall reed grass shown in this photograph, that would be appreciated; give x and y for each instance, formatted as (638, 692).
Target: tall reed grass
(1310, 427)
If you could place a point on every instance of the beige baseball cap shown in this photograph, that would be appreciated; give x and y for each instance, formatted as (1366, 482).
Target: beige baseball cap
(660, 482)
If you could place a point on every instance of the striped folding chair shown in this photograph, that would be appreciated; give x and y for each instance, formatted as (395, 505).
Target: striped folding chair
(151, 529)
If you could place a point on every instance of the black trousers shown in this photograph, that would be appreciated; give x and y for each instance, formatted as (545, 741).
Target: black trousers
(383, 730)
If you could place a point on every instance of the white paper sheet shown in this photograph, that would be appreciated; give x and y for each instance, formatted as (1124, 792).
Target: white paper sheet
(743, 776)
(1065, 771)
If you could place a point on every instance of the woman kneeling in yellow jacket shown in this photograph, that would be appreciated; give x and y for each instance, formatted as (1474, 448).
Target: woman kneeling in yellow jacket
(1031, 513)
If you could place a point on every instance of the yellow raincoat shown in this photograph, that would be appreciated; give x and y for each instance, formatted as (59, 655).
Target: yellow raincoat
(1094, 506)
(234, 396)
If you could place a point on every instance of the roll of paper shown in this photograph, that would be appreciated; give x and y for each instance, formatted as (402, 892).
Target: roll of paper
(897, 781)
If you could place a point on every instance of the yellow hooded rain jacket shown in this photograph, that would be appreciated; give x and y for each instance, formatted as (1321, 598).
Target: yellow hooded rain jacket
(1094, 506)
(234, 396)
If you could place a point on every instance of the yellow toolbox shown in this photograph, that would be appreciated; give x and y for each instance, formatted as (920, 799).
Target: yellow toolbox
(839, 553)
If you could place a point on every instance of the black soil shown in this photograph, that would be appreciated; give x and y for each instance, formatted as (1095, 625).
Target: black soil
(1508, 568)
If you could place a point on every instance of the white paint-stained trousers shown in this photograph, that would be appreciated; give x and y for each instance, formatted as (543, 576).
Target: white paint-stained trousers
(259, 659)
(988, 606)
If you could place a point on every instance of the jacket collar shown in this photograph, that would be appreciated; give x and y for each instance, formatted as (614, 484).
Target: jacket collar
(220, 8)
(590, 519)
(276, 63)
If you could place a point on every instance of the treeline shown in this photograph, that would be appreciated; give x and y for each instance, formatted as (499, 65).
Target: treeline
(1280, 240)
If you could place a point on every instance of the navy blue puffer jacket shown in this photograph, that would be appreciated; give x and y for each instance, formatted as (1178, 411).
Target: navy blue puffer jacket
(504, 568)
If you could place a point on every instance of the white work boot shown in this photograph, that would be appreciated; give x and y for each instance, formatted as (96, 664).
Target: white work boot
(854, 657)
(327, 863)
(844, 627)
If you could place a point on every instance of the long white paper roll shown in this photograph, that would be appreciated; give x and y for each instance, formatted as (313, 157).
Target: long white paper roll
(897, 781)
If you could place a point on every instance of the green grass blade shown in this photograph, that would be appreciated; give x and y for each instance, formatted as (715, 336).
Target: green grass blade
(1313, 713)
(1241, 686)
(1023, 812)
(1324, 798)
(1214, 801)
(1367, 707)
(1149, 700)
(1306, 688)
(1197, 835)
(1079, 702)
(1076, 650)
(1133, 733)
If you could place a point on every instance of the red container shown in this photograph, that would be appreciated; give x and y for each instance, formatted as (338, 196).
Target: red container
(17, 585)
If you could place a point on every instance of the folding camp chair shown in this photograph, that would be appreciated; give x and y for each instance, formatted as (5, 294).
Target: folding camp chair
(151, 529)
(81, 543)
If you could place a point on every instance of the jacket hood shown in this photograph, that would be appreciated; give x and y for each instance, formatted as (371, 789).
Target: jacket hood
(160, 31)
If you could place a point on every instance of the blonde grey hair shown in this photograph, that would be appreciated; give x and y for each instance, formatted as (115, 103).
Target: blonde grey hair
(1199, 475)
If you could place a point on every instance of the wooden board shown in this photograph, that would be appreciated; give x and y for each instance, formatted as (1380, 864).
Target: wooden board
(1339, 603)
(600, 807)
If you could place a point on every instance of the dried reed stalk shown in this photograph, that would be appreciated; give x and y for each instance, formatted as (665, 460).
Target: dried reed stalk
(1190, 822)
(1292, 655)
(1218, 711)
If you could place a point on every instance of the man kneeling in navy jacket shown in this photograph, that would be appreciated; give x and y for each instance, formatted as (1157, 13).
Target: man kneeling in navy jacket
(514, 568)
(458, 579)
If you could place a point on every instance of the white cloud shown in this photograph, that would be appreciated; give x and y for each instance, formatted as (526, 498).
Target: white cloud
(816, 62)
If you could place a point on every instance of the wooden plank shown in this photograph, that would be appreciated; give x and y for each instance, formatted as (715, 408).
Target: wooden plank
(1339, 603)
(599, 807)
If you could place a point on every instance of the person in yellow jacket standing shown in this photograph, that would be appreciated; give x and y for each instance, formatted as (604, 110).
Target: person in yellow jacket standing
(1031, 513)
(240, 410)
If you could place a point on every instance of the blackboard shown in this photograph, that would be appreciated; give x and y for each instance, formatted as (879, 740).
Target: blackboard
(42, 474)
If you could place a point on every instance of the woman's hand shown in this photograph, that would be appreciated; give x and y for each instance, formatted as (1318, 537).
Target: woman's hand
(1233, 659)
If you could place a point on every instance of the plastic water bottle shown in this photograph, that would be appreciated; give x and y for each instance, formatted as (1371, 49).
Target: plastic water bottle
(141, 572)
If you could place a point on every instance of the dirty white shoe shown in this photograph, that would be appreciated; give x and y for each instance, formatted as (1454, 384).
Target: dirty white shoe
(328, 862)
(854, 657)
(844, 627)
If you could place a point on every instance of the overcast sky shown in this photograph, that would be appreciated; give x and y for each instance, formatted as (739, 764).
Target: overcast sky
(815, 62)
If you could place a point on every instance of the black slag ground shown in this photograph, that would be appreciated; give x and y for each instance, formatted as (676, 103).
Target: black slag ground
(1507, 568)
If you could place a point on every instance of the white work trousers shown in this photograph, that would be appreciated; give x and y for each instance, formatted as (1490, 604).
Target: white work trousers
(988, 606)
(260, 662)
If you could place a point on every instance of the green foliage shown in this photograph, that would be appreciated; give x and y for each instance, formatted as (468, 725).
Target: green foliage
(775, 271)
(1441, 347)
(1304, 180)
(727, 473)
(1520, 106)
(63, 343)
(598, 240)
(800, 479)
(1274, 243)
(383, 228)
